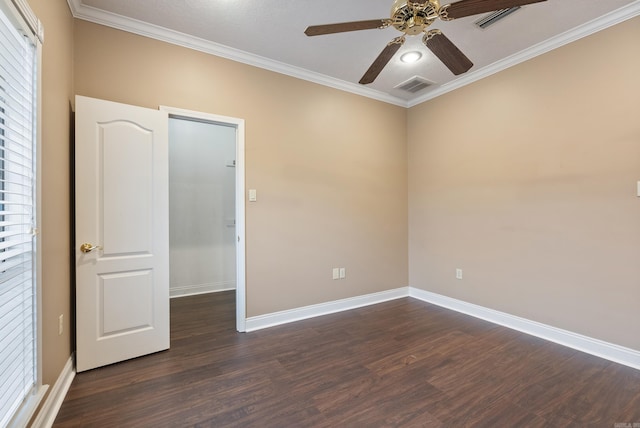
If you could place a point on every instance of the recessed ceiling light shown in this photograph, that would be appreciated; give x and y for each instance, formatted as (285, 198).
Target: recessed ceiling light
(412, 56)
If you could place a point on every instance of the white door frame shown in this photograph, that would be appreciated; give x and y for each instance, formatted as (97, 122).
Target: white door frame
(174, 112)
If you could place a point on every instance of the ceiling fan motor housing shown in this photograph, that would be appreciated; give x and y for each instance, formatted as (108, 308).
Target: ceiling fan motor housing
(411, 17)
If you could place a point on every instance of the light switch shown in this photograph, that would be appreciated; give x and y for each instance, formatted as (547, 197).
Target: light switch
(638, 188)
(252, 195)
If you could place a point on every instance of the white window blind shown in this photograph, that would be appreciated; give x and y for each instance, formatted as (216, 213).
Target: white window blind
(18, 304)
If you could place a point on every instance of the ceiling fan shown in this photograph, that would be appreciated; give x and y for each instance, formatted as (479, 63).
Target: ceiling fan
(413, 17)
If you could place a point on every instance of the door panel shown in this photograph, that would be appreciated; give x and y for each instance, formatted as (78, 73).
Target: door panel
(126, 302)
(133, 199)
(122, 290)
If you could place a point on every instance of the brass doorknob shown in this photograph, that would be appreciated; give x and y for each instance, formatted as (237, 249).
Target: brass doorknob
(87, 248)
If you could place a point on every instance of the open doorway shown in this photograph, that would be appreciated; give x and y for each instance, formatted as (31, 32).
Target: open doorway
(206, 205)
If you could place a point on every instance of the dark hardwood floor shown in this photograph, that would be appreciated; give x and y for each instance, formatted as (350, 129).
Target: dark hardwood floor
(401, 363)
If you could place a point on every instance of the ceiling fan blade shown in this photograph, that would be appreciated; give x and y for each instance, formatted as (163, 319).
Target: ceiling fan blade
(463, 8)
(447, 52)
(342, 27)
(383, 59)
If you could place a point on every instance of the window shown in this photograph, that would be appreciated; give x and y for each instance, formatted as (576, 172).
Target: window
(20, 385)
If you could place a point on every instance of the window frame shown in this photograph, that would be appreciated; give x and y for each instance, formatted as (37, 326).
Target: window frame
(25, 21)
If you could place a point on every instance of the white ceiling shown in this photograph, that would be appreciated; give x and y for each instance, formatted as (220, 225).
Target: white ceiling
(270, 34)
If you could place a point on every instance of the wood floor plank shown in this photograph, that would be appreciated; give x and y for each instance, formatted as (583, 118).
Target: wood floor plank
(403, 363)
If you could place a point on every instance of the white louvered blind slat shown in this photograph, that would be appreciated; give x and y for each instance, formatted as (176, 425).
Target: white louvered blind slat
(18, 363)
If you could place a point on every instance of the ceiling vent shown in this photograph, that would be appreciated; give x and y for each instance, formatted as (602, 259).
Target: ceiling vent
(415, 84)
(494, 17)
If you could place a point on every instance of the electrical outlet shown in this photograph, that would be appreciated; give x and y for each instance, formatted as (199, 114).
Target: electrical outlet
(336, 273)
(343, 273)
(60, 324)
(458, 273)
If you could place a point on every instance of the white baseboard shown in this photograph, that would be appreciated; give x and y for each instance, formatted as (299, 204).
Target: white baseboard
(609, 351)
(49, 410)
(283, 317)
(190, 290)
(599, 348)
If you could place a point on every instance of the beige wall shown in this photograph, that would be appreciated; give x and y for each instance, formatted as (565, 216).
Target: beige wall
(527, 181)
(330, 167)
(57, 91)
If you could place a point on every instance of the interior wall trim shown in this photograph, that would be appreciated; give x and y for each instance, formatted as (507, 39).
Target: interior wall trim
(283, 317)
(598, 348)
(49, 410)
(612, 18)
(211, 287)
(241, 251)
(609, 351)
(81, 11)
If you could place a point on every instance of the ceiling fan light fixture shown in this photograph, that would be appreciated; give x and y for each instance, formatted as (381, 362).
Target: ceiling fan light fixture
(413, 17)
(411, 57)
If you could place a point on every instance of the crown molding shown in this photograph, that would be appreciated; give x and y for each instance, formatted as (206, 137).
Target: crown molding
(612, 18)
(109, 19)
(98, 16)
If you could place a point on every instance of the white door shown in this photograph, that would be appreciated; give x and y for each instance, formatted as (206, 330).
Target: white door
(122, 232)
